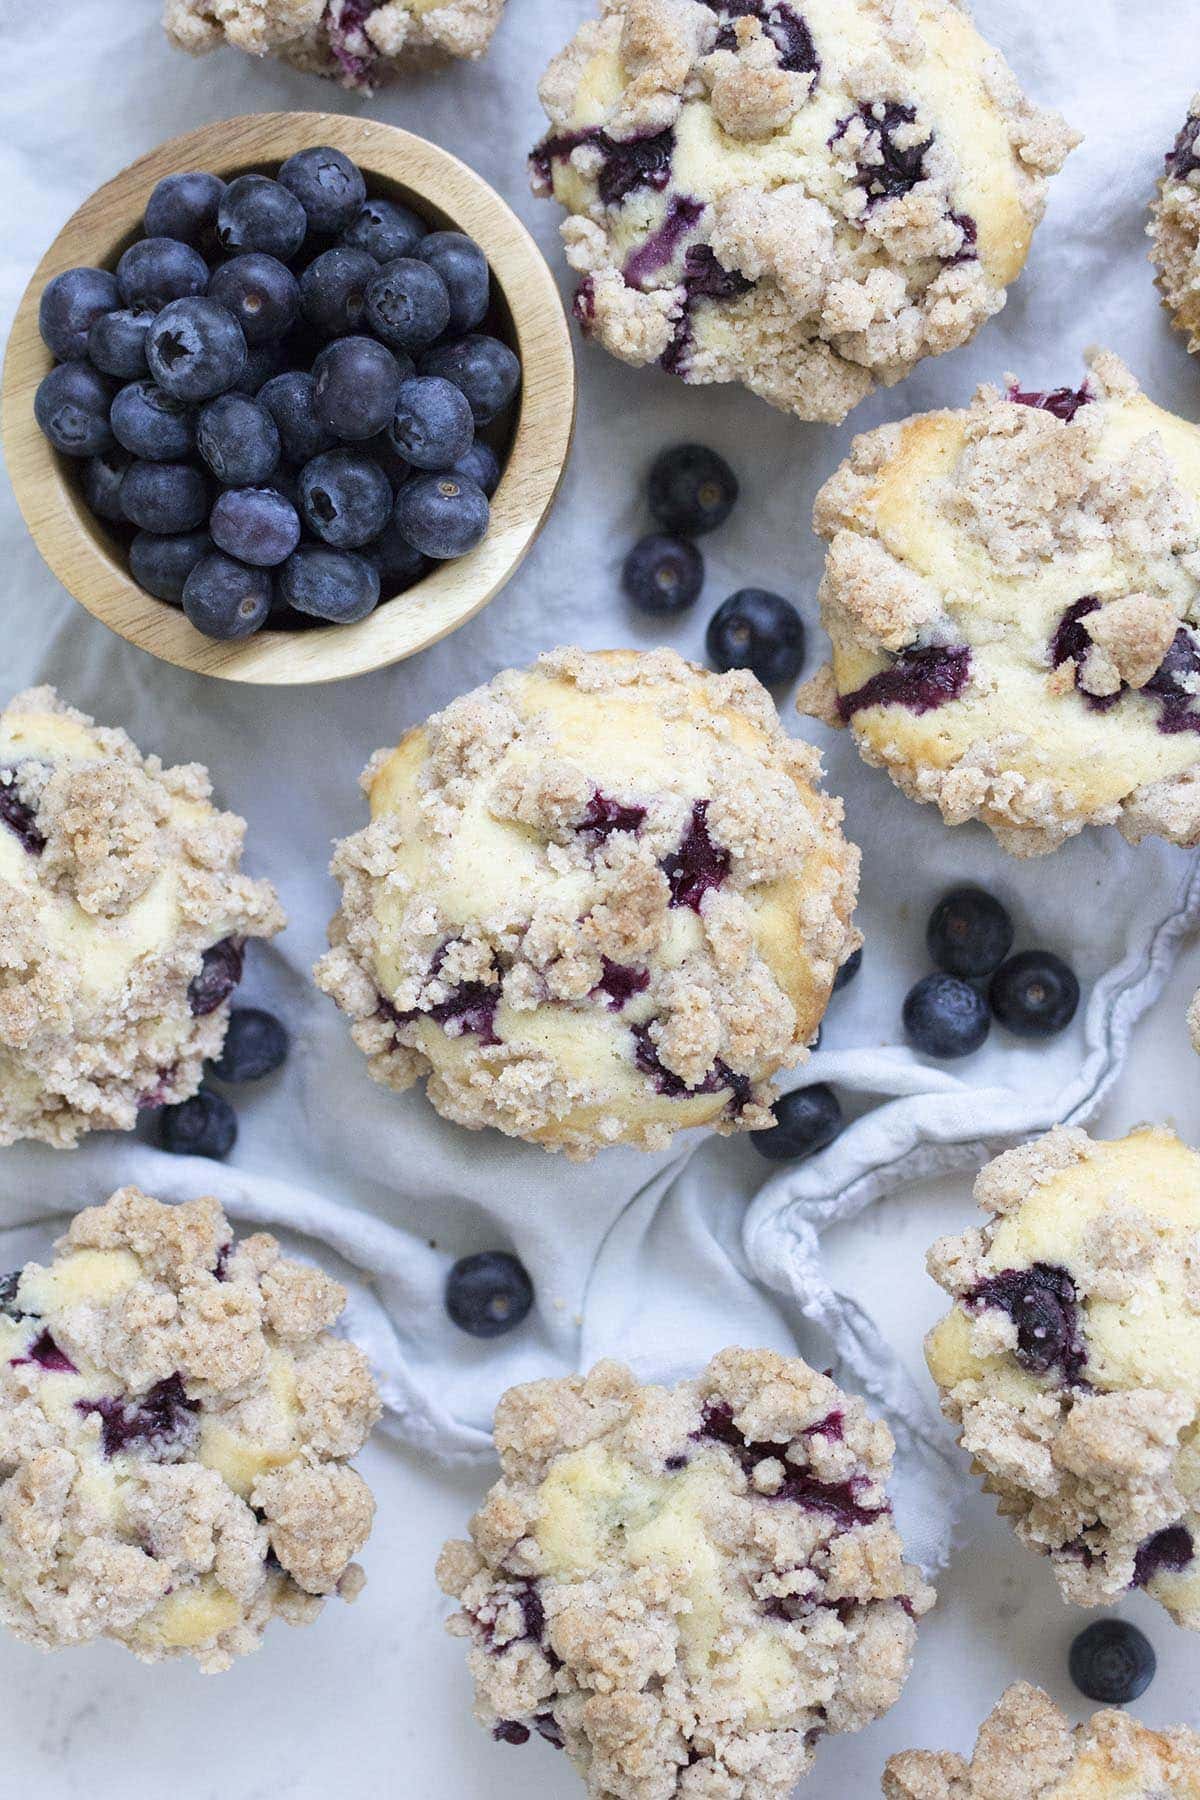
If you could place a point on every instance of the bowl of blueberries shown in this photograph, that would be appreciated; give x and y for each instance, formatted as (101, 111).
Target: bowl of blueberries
(289, 399)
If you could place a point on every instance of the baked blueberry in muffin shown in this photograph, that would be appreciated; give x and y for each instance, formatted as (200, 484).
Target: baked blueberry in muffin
(1071, 1360)
(1013, 597)
(1175, 229)
(686, 1588)
(1028, 1750)
(599, 900)
(806, 196)
(176, 1423)
(124, 920)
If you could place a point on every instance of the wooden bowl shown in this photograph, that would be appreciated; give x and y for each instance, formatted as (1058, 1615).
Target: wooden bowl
(90, 562)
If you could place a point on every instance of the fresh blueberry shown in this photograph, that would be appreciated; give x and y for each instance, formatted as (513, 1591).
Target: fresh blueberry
(381, 449)
(70, 306)
(396, 560)
(117, 341)
(205, 1125)
(226, 599)
(162, 565)
(256, 525)
(291, 401)
(407, 304)
(481, 465)
(691, 490)
(1112, 1662)
(443, 515)
(263, 362)
(71, 406)
(164, 497)
(486, 370)
(256, 1044)
(848, 970)
(152, 424)
(261, 292)
(334, 585)
(357, 384)
(328, 186)
(807, 1120)
(1034, 994)
(463, 267)
(945, 1017)
(185, 206)
(196, 349)
(488, 1294)
(256, 213)
(969, 933)
(385, 230)
(663, 574)
(432, 425)
(759, 631)
(156, 270)
(345, 497)
(238, 439)
(333, 290)
(101, 478)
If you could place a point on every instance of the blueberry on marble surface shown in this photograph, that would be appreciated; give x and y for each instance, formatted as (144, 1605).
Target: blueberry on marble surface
(205, 1125)
(1035, 994)
(807, 1120)
(663, 574)
(1112, 1662)
(488, 1294)
(945, 1017)
(759, 631)
(969, 933)
(691, 490)
(256, 1044)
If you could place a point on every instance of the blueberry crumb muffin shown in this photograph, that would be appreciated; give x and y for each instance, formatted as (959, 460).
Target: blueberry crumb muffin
(1028, 1750)
(1071, 1360)
(685, 1588)
(175, 1427)
(599, 900)
(359, 43)
(1175, 230)
(1013, 598)
(807, 197)
(124, 920)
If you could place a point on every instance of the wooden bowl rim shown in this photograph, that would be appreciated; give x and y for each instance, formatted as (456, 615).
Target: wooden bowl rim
(453, 592)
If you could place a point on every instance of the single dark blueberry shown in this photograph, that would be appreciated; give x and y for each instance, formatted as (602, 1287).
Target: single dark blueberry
(70, 306)
(620, 982)
(164, 497)
(185, 206)
(334, 585)
(238, 439)
(945, 1017)
(488, 1294)
(464, 270)
(1112, 1662)
(291, 400)
(1064, 403)
(255, 524)
(196, 349)
(698, 865)
(161, 1423)
(921, 679)
(221, 969)
(256, 1044)
(346, 498)
(205, 1125)
(1034, 994)
(385, 230)
(8, 1296)
(261, 292)
(486, 370)
(398, 563)
(18, 818)
(969, 933)
(226, 599)
(100, 478)
(407, 304)
(256, 213)
(848, 970)
(1168, 1552)
(433, 425)
(442, 516)
(263, 362)
(691, 490)
(759, 631)
(886, 168)
(328, 186)
(663, 574)
(1043, 1304)
(481, 465)
(45, 1353)
(333, 290)
(806, 1120)
(161, 565)
(157, 270)
(71, 407)
(151, 424)
(117, 342)
(357, 383)
(603, 816)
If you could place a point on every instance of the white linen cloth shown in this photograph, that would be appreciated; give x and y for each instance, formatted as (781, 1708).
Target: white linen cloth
(658, 1259)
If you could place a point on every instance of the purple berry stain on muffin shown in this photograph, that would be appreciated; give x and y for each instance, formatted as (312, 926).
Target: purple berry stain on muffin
(605, 815)
(838, 1499)
(1072, 641)
(1168, 1552)
(1183, 159)
(220, 971)
(698, 865)
(620, 982)
(20, 819)
(1175, 684)
(659, 249)
(160, 1421)
(45, 1353)
(782, 24)
(893, 169)
(922, 679)
(1043, 1304)
(704, 278)
(627, 164)
(674, 1087)
(1064, 403)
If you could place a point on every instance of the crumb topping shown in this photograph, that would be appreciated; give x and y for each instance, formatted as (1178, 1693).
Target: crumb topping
(598, 901)
(175, 1424)
(1174, 230)
(685, 1589)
